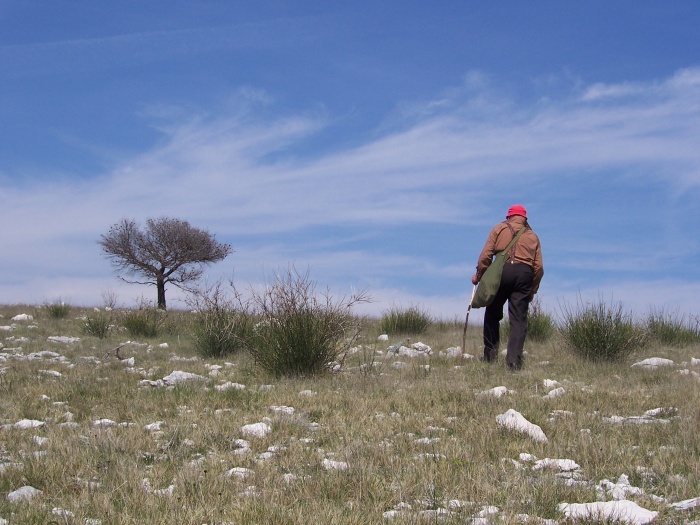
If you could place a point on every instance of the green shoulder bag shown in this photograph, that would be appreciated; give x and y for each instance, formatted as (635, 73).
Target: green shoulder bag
(490, 282)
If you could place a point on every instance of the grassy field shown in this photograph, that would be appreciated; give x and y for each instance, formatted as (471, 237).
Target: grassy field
(382, 440)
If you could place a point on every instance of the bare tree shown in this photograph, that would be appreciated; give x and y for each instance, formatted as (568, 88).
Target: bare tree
(166, 251)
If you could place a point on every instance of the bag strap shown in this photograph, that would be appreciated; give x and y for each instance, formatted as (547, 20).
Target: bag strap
(516, 236)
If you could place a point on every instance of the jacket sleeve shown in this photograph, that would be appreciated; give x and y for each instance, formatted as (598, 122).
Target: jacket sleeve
(538, 268)
(487, 253)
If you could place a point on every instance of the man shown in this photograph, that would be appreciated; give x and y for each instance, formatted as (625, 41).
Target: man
(520, 281)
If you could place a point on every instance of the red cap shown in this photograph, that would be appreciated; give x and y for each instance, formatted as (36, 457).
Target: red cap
(517, 209)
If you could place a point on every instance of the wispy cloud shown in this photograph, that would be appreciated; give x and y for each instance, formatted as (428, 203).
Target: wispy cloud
(138, 48)
(447, 164)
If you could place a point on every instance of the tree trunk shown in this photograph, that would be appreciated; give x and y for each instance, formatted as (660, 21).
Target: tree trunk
(160, 285)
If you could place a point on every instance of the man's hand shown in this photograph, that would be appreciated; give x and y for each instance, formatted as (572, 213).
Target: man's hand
(475, 279)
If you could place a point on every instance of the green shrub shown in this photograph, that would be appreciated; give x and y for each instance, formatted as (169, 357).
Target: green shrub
(97, 325)
(672, 330)
(301, 333)
(143, 322)
(599, 332)
(411, 320)
(220, 326)
(540, 325)
(57, 310)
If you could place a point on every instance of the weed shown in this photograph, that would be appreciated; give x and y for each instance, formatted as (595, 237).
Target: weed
(411, 320)
(301, 332)
(599, 332)
(57, 310)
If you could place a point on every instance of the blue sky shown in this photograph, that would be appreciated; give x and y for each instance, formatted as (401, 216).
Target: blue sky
(372, 143)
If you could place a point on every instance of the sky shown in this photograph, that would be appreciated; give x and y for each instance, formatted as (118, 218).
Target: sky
(370, 144)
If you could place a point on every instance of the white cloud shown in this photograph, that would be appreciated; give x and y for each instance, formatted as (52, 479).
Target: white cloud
(246, 178)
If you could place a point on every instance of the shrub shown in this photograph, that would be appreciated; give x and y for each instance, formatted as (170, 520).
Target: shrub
(221, 326)
(599, 332)
(672, 330)
(96, 325)
(412, 321)
(57, 310)
(540, 325)
(300, 332)
(145, 321)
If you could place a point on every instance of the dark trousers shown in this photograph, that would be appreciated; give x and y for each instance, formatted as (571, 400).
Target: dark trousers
(516, 287)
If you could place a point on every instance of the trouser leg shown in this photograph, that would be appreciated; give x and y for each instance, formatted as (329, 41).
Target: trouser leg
(519, 277)
(492, 320)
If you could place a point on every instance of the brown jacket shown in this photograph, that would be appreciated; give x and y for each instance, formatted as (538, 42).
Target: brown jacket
(527, 248)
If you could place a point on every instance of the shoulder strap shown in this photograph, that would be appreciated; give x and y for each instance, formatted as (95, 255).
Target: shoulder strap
(516, 236)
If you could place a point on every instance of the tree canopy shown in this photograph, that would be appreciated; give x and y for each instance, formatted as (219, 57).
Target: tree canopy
(167, 250)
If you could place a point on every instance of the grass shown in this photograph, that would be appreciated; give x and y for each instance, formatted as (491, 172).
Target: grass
(407, 321)
(57, 309)
(414, 436)
(601, 332)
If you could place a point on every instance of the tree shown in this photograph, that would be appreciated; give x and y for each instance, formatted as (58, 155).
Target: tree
(166, 251)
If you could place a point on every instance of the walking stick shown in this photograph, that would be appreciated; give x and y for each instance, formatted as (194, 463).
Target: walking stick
(466, 321)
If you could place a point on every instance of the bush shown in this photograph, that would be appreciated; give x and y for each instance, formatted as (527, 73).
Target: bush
(301, 333)
(57, 310)
(96, 325)
(598, 332)
(221, 326)
(411, 321)
(672, 330)
(146, 321)
(540, 325)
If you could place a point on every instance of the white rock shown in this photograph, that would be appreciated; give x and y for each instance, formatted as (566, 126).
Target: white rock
(453, 351)
(422, 347)
(229, 385)
(258, 430)
(179, 376)
(63, 513)
(514, 420)
(62, 339)
(241, 443)
(383, 337)
(239, 472)
(555, 393)
(23, 493)
(619, 490)
(154, 384)
(22, 317)
(104, 423)
(686, 504)
(623, 510)
(54, 373)
(330, 464)
(40, 441)
(563, 465)
(167, 491)
(653, 362)
(497, 391)
(152, 427)
(24, 424)
(550, 383)
(283, 410)
(307, 393)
